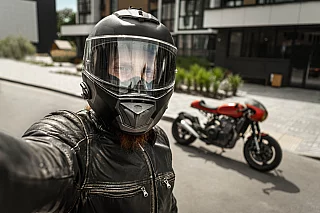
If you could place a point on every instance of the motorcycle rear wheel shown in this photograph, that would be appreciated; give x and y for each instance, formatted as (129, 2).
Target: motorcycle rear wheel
(269, 157)
(181, 135)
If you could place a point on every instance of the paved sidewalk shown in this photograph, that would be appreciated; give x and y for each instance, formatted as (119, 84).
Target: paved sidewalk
(294, 114)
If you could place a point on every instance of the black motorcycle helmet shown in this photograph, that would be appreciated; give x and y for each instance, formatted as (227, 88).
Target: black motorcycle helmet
(129, 70)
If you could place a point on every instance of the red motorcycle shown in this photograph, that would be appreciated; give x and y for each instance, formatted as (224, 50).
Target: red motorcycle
(225, 125)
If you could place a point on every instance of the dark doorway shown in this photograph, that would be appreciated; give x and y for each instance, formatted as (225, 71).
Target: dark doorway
(305, 59)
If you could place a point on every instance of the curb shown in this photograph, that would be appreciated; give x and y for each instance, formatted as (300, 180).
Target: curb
(41, 87)
(165, 118)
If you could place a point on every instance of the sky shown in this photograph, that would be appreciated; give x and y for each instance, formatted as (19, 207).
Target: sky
(61, 4)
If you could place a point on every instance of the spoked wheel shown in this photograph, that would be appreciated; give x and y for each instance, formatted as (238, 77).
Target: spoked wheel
(268, 158)
(181, 135)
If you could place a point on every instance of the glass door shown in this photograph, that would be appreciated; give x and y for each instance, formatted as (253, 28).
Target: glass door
(299, 64)
(313, 72)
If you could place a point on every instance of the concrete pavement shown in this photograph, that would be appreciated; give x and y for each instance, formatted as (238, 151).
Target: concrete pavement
(294, 114)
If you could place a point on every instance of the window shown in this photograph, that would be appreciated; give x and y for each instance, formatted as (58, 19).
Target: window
(263, 42)
(239, 3)
(235, 44)
(232, 3)
(283, 45)
(167, 15)
(212, 3)
(199, 45)
(266, 44)
(191, 14)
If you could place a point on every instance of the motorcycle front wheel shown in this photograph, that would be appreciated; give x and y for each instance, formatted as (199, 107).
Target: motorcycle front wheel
(181, 135)
(268, 158)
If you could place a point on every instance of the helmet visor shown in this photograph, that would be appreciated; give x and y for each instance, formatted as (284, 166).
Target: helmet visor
(131, 64)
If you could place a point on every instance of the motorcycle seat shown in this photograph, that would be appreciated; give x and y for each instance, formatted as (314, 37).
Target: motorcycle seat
(203, 104)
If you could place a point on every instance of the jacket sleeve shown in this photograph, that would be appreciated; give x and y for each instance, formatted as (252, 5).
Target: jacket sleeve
(40, 172)
(174, 207)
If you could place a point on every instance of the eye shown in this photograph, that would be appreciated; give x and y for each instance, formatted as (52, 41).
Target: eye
(125, 70)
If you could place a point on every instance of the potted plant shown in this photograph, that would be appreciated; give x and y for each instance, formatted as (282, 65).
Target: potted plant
(188, 81)
(235, 82)
(194, 71)
(215, 87)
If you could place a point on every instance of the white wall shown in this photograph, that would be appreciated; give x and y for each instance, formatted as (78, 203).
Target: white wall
(18, 17)
(76, 30)
(284, 14)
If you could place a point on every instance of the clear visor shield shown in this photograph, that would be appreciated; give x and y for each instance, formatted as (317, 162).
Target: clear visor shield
(130, 65)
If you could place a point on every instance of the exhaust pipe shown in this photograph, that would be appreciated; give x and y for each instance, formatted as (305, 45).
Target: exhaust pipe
(187, 127)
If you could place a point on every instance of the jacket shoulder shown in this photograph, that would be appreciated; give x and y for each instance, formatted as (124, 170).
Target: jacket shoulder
(64, 125)
(161, 136)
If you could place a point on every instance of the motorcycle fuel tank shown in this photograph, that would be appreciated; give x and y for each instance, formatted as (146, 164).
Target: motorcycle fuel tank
(231, 109)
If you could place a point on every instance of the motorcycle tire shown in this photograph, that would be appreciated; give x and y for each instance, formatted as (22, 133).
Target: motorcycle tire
(268, 146)
(181, 135)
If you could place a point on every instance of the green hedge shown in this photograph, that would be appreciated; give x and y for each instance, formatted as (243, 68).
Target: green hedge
(16, 47)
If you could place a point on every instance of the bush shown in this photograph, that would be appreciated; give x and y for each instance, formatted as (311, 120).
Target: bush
(235, 82)
(16, 47)
(203, 79)
(218, 73)
(180, 76)
(216, 84)
(189, 78)
(194, 69)
(207, 81)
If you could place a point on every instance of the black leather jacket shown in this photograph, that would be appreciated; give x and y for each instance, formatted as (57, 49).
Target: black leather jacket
(68, 163)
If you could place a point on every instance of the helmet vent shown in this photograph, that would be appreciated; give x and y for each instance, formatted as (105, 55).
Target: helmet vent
(137, 14)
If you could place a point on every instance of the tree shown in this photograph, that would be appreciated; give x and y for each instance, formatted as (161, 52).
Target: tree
(64, 17)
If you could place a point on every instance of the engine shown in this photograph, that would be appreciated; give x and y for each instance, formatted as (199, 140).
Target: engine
(222, 133)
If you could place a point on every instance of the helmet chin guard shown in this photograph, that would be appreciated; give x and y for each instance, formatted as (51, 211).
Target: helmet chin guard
(135, 116)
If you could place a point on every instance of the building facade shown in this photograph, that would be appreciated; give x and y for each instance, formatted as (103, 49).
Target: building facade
(258, 38)
(185, 18)
(91, 11)
(35, 20)
(255, 38)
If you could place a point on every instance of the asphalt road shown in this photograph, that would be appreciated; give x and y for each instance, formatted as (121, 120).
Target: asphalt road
(206, 181)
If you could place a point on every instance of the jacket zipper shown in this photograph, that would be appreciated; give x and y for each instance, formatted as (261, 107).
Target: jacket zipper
(121, 191)
(151, 170)
(166, 178)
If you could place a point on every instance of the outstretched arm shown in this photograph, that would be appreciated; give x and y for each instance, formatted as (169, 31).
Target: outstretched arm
(40, 172)
(33, 175)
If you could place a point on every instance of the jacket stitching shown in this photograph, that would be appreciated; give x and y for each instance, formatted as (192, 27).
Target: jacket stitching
(87, 151)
